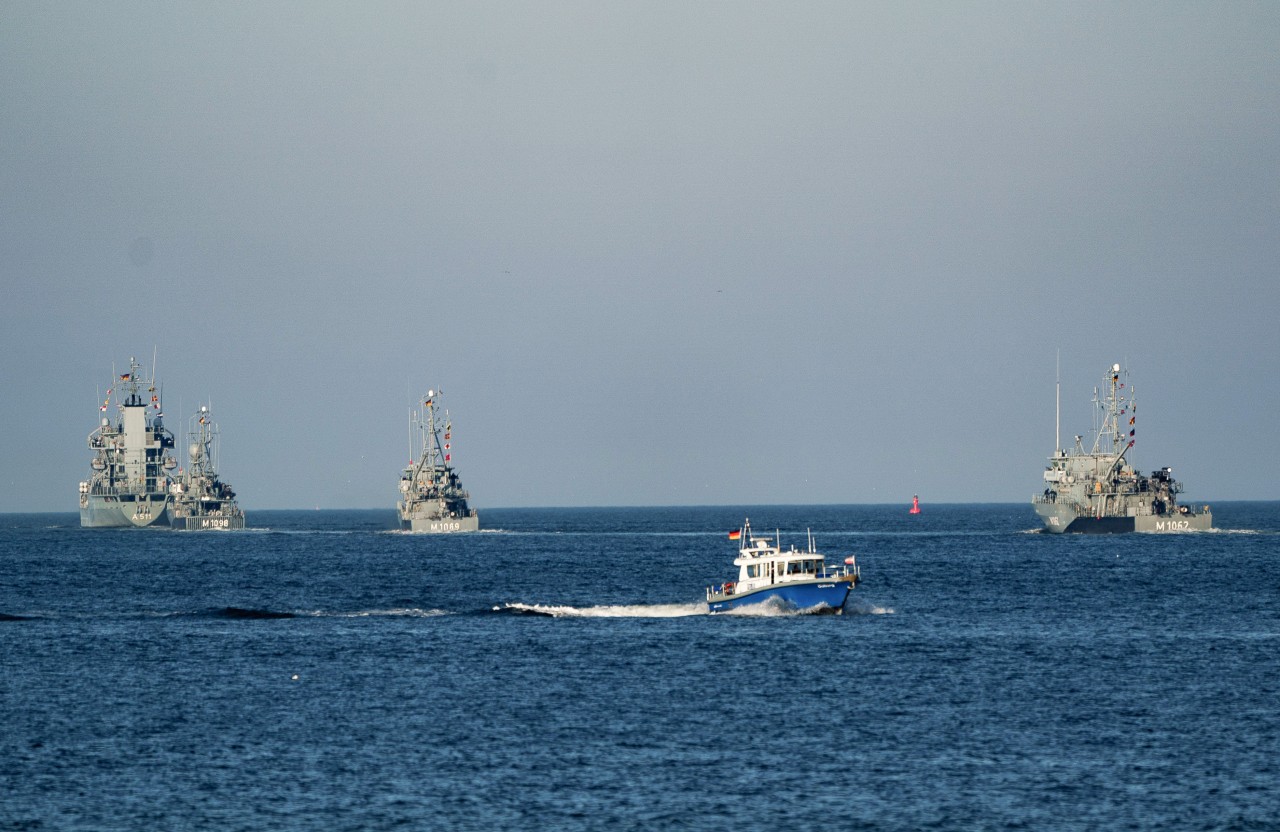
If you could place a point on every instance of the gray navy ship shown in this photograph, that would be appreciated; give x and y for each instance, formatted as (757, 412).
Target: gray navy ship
(432, 498)
(1099, 491)
(131, 462)
(200, 500)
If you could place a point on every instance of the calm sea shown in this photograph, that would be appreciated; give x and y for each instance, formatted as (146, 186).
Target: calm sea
(559, 671)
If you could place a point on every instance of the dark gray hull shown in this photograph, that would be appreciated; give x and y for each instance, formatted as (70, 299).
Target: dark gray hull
(441, 525)
(1059, 520)
(123, 512)
(209, 522)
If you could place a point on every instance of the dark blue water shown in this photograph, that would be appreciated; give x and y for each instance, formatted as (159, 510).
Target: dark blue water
(320, 672)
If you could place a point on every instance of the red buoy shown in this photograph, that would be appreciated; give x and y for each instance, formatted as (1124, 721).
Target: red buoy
(915, 504)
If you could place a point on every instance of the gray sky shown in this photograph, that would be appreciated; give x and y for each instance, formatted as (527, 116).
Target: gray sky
(654, 253)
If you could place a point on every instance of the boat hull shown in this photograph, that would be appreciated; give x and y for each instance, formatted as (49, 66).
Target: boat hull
(441, 525)
(208, 522)
(99, 512)
(808, 595)
(1058, 521)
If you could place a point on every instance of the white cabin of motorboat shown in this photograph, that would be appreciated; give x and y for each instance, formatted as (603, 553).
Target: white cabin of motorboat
(762, 563)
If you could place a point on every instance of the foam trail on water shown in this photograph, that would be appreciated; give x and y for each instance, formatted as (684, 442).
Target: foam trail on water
(607, 611)
(768, 609)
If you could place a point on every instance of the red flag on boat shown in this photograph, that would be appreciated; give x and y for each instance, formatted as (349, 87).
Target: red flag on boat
(849, 560)
(735, 534)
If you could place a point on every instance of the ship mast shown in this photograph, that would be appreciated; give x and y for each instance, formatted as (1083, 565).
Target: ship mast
(430, 441)
(1057, 404)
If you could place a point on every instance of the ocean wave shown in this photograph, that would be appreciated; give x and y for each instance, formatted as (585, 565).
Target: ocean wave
(304, 532)
(864, 608)
(249, 612)
(387, 612)
(412, 533)
(229, 612)
(778, 608)
(393, 612)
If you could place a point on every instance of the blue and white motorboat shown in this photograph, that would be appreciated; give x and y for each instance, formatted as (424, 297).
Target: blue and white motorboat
(797, 580)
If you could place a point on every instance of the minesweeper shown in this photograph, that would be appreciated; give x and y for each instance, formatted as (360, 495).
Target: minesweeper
(432, 498)
(131, 465)
(1099, 491)
(202, 501)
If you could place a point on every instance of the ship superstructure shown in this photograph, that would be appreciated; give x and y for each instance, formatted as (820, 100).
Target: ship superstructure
(200, 499)
(432, 498)
(1100, 490)
(132, 466)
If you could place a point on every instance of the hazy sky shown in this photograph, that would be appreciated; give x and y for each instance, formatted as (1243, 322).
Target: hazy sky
(654, 253)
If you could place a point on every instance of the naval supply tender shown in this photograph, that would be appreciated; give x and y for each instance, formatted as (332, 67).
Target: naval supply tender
(1099, 491)
(797, 580)
(131, 465)
(201, 501)
(432, 498)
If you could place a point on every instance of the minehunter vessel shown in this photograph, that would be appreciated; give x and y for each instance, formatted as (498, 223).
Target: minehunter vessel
(432, 498)
(131, 466)
(1099, 491)
(800, 580)
(200, 500)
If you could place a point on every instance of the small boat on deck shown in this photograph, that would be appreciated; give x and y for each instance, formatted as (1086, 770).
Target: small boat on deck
(799, 580)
